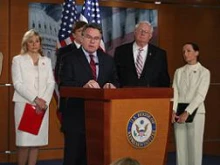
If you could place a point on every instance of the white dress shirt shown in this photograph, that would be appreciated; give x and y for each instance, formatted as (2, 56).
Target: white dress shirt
(143, 53)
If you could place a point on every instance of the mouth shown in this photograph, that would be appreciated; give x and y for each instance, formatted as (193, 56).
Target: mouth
(91, 46)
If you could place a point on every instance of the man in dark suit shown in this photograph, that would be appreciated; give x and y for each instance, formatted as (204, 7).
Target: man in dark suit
(140, 63)
(87, 67)
(77, 35)
(61, 53)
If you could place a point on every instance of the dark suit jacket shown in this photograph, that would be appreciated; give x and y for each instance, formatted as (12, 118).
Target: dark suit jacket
(61, 53)
(154, 74)
(76, 72)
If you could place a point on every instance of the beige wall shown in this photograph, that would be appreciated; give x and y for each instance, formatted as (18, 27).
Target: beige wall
(177, 24)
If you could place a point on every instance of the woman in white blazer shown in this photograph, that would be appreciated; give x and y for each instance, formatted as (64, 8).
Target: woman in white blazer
(191, 83)
(34, 83)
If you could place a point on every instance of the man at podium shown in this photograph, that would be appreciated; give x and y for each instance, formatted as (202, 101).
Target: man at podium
(87, 67)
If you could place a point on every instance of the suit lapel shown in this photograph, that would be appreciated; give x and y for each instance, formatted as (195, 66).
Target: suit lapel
(27, 65)
(150, 54)
(193, 76)
(147, 63)
(41, 69)
(84, 62)
(27, 61)
(73, 45)
(101, 67)
(130, 58)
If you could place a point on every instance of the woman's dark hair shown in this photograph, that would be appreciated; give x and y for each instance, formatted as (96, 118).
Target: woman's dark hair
(194, 45)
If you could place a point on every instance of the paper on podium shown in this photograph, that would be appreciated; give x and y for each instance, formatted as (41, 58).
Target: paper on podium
(31, 120)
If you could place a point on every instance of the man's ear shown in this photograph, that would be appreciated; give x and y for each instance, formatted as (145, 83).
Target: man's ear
(151, 35)
(1, 62)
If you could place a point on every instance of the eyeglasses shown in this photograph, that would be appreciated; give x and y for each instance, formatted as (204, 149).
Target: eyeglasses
(92, 38)
(142, 31)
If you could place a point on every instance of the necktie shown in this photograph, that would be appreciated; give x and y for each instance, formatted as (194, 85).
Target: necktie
(139, 63)
(93, 66)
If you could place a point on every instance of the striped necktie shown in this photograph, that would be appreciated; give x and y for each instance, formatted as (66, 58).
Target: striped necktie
(139, 63)
(92, 66)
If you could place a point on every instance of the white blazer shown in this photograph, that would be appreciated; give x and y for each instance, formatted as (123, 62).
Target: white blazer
(23, 78)
(191, 84)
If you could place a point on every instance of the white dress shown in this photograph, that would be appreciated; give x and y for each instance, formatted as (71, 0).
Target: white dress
(24, 138)
(28, 139)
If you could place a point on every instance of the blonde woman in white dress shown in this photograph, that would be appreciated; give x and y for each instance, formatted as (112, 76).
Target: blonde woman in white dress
(33, 81)
(191, 83)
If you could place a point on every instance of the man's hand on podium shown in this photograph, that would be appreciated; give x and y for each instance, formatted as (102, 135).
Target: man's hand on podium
(109, 86)
(91, 84)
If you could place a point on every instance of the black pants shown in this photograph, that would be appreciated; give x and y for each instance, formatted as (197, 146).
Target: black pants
(73, 126)
(74, 148)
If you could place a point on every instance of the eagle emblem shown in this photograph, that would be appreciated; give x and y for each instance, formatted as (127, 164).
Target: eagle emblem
(141, 129)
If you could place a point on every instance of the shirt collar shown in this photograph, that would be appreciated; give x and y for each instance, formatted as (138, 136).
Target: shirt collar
(77, 44)
(136, 47)
(193, 67)
(87, 54)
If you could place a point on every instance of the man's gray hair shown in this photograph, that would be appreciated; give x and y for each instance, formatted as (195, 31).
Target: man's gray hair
(145, 22)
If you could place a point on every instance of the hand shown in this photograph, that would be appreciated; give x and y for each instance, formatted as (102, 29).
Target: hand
(91, 84)
(183, 117)
(109, 86)
(174, 117)
(41, 103)
(39, 110)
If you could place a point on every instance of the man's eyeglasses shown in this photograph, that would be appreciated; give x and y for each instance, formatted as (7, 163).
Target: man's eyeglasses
(142, 31)
(92, 38)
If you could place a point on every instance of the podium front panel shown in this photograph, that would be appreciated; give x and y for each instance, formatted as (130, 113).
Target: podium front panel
(121, 112)
(107, 135)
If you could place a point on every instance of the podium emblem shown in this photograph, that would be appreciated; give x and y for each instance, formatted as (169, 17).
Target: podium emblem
(141, 129)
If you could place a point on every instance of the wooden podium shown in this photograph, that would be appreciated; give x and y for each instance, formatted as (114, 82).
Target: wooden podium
(125, 122)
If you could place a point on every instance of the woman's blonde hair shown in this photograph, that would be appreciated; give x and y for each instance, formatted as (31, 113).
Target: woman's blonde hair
(126, 161)
(30, 33)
